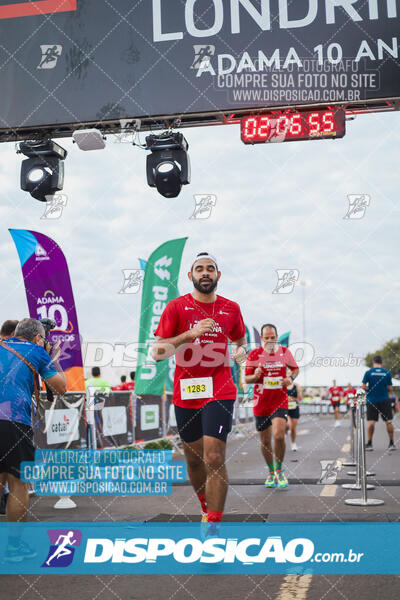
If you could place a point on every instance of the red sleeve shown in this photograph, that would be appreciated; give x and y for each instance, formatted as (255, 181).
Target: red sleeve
(238, 329)
(290, 362)
(251, 362)
(168, 324)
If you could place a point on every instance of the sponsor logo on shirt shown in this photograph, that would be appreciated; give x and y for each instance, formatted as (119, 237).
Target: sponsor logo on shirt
(217, 328)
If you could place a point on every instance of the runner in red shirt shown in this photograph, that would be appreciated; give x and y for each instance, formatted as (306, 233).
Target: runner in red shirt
(121, 387)
(196, 327)
(267, 367)
(348, 394)
(335, 393)
(130, 385)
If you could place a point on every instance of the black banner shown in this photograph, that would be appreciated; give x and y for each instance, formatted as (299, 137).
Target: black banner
(107, 61)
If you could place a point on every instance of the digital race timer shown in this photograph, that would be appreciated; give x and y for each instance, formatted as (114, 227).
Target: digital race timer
(292, 126)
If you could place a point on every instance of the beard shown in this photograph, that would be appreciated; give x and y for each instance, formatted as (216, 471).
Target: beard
(204, 289)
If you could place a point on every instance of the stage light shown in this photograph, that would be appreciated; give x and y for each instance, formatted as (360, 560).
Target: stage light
(168, 165)
(42, 173)
(36, 175)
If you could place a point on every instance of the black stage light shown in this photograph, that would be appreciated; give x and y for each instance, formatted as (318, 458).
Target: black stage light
(42, 173)
(168, 165)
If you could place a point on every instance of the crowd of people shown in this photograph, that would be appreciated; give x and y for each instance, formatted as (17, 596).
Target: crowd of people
(196, 329)
(98, 382)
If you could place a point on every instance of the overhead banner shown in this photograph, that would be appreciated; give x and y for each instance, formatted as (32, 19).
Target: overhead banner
(110, 61)
(49, 295)
(159, 287)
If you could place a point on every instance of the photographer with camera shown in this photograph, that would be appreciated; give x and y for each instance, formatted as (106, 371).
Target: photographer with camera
(22, 359)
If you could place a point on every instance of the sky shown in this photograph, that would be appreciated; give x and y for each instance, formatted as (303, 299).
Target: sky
(278, 206)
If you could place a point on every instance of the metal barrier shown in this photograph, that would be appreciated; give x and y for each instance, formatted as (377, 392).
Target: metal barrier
(320, 408)
(353, 432)
(361, 472)
(243, 419)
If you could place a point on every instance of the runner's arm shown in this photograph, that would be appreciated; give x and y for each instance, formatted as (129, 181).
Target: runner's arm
(164, 348)
(290, 379)
(254, 377)
(299, 394)
(253, 370)
(239, 350)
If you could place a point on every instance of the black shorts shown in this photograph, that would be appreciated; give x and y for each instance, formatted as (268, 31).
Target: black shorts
(294, 413)
(16, 446)
(384, 409)
(263, 423)
(213, 419)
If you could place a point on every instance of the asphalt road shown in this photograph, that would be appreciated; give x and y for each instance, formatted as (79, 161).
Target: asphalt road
(248, 500)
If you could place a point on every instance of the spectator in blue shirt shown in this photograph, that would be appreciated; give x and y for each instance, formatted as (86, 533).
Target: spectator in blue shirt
(378, 383)
(7, 330)
(16, 435)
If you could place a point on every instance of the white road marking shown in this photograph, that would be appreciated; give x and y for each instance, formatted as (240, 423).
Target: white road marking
(329, 490)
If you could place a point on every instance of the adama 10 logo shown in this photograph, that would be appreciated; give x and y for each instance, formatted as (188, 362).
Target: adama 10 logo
(13, 10)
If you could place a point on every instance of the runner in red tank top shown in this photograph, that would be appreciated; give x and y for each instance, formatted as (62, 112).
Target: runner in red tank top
(196, 327)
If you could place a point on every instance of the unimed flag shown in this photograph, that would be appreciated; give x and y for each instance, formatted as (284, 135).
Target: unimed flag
(159, 287)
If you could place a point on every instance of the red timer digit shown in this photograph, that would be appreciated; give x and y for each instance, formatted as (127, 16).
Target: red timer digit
(289, 127)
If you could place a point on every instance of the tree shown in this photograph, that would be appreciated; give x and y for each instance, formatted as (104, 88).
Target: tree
(390, 354)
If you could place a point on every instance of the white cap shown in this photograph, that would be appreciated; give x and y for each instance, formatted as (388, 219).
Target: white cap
(201, 255)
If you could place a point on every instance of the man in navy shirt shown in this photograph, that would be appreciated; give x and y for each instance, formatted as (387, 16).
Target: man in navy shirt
(378, 383)
(16, 389)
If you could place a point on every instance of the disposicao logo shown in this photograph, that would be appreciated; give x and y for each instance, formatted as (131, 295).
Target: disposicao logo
(12, 10)
(248, 551)
(62, 547)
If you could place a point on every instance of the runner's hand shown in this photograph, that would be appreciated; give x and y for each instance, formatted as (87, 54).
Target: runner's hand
(286, 381)
(239, 355)
(203, 326)
(258, 373)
